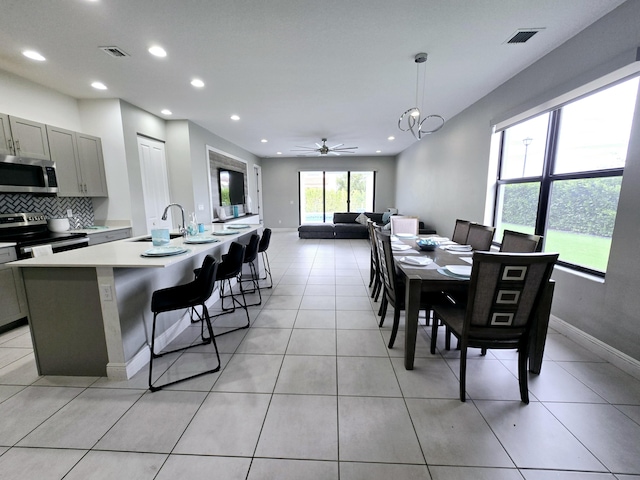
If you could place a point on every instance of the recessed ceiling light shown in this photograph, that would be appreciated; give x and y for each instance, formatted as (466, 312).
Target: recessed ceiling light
(264, 140)
(278, 153)
(166, 112)
(33, 55)
(196, 82)
(157, 51)
(378, 151)
(99, 86)
(391, 138)
(235, 118)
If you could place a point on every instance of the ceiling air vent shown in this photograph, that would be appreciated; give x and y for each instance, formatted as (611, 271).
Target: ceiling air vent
(523, 35)
(114, 52)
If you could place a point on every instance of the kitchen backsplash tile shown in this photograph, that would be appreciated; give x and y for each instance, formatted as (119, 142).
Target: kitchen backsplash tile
(52, 207)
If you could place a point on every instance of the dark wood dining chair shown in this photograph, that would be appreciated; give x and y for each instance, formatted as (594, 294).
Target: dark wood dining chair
(375, 279)
(505, 291)
(460, 231)
(480, 236)
(517, 242)
(394, 287)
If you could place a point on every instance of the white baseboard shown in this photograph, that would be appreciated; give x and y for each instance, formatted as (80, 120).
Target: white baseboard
(621, 360)
(120, 371)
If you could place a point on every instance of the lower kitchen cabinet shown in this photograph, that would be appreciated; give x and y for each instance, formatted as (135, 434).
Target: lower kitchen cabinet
(12, 296)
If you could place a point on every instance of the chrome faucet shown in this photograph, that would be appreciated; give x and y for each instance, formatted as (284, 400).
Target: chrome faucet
(183, 228)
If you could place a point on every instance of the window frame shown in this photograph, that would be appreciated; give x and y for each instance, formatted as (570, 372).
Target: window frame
(547, 179)
(324, 190)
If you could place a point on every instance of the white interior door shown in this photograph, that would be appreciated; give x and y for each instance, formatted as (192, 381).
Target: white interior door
(155, 182)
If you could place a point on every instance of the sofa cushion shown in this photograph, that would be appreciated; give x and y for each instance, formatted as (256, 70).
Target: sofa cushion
(362, 219)
(376, 217)
(345, 217)
(320, 230)
(351, 230)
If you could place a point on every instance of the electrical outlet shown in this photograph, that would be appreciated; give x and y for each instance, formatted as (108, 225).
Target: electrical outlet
(200, 207)
(106, 293)
(69, 212)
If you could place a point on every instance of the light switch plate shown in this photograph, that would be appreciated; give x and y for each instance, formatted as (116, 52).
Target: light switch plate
(69, 212)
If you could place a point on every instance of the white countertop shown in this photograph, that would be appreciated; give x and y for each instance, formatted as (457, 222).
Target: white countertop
(89, 231)
(7, 244)
(125, 254)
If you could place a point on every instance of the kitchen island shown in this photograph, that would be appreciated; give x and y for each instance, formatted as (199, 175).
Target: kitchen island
(89, 309)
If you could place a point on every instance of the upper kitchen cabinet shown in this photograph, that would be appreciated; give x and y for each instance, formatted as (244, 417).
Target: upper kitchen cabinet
(23, 138)
(79, 163)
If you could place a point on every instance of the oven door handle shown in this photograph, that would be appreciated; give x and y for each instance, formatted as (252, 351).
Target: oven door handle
(64, 243)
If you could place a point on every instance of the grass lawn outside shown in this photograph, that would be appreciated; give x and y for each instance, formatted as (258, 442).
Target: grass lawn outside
(585, 250)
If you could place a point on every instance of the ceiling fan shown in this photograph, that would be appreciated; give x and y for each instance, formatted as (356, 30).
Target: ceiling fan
(324, 149)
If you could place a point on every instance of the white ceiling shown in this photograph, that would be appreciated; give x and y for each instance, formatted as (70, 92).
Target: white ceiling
(293, 70)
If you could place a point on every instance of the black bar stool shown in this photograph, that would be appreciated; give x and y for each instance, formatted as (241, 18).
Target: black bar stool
(250, 257)
(228, 269)
(188, 295)
(262, 249)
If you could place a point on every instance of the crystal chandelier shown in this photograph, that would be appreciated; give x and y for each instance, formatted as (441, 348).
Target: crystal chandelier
(412, 120)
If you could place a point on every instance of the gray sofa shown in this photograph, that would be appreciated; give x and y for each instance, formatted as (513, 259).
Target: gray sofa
(344, 226)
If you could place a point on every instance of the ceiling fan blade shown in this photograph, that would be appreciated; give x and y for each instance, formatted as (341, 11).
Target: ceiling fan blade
(345, 149)
(305, 149)
(336, 146)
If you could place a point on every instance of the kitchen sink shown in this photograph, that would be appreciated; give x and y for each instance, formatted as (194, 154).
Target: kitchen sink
(148, 239)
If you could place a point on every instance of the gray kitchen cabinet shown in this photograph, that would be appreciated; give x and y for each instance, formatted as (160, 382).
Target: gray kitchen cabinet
(6, 143)
(109, 236)
(24, 138)
(12, 296)
(79, 163)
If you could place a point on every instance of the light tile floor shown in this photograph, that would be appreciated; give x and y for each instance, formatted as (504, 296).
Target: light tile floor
(310, 391)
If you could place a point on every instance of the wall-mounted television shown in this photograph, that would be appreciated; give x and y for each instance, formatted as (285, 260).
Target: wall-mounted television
(231, 187)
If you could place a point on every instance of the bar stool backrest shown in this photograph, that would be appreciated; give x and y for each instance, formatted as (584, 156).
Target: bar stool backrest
(265, 240)
(251, 250)
(231, 265)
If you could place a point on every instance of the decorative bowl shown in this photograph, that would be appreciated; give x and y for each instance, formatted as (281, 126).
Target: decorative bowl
(58, 225)
(426, 244)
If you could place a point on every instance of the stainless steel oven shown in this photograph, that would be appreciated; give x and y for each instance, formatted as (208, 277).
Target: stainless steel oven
(28, 230)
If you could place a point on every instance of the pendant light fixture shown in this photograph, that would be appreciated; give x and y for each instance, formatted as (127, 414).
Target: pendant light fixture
(413, 119)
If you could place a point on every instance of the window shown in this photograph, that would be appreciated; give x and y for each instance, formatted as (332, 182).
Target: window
(324, 193)
(560, 175)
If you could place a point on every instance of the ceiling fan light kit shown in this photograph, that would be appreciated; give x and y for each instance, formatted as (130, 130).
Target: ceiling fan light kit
(412, 120)
(324, 149)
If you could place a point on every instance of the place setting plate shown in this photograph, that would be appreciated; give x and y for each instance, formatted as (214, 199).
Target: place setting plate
(196, 239)
(458, 248)
(400, 246)
(238, 226)
(224, 232)
(416, 261)
(461, 272)
(166, 251)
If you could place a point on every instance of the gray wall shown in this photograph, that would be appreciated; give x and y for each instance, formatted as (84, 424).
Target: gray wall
(456, 177)
(280, 183)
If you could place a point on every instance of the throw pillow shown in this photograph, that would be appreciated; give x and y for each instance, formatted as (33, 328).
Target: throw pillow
(362, 219)
(386, 217)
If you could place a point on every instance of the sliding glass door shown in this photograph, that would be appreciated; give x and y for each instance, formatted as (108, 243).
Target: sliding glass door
(324, 193)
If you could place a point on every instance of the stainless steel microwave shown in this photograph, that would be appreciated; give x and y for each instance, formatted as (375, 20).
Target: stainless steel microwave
(27, 175)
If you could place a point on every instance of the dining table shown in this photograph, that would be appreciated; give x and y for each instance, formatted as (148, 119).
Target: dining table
(435, 277)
